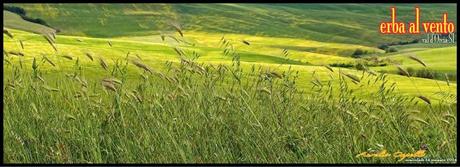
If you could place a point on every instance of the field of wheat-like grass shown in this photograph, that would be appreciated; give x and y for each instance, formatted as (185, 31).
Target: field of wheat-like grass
(97, 100)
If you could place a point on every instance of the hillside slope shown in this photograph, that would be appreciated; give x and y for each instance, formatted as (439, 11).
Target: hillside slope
(12, 20)
(342, 23)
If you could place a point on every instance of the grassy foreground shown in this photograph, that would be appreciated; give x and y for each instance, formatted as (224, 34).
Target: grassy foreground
(113, 106)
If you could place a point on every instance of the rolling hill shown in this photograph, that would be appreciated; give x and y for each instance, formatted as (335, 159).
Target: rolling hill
(339, 23)
(155, 54)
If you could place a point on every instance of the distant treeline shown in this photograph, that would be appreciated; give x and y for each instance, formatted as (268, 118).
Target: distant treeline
(388, 49)
(21, 12)
(430, 74)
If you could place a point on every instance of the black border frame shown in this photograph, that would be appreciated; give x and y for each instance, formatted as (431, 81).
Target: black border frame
(228, 1)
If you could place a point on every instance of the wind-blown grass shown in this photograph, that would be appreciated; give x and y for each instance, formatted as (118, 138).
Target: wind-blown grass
(182, 110)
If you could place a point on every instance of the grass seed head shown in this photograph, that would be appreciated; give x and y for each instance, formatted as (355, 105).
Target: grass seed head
(425, 99)
(67, 57)
(403, 71)
(265, 90)
(70, 117)
(5, 31)
(89, 56)
(16, 53)
(179, 52)
(109, 85)
(103, 64)
(372, 72)
(417, 60)
(178, 29)
(447, 115)
(34, 64)
(49, 61)
(40, 78)
(162, 37)
(137, 55)
(50, 40)
(50, 88)
(22, 44)
(420, 120)
(275, 74)
(142, 66)
(83, 82)
(329, 68)
(112, 80)
(352, 77)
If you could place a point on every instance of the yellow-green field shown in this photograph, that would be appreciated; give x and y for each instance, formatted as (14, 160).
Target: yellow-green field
(260, 52)
(208, 97)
